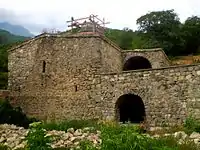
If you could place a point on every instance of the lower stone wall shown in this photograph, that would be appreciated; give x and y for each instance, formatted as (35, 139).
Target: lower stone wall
(169, 94)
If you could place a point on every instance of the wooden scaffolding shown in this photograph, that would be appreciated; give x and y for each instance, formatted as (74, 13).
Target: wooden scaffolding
(88, 24)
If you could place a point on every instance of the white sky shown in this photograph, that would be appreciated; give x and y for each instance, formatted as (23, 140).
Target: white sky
(38, 14)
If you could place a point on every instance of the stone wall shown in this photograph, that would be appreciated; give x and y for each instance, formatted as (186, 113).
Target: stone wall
(111, 57)
(71, 85)
(156, 57)
(169, 94)
(70, 62)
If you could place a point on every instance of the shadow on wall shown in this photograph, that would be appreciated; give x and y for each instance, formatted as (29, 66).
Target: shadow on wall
(4, 94)
(14, 115)
(130, 107)
(136, 62)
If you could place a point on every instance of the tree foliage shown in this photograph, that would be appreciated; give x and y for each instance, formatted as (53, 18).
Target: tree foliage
(164, 29)
(191, 35)
(3, 66)
(161, 29)
(157, 21)
(7, 40)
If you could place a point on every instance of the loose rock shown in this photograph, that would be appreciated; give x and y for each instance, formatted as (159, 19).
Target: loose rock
(13, 137)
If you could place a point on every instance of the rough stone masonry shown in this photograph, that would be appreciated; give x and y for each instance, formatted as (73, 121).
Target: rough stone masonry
(58, 77)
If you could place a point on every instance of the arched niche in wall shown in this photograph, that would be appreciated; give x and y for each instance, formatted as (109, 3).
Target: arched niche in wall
(136, 62)
(130, 108)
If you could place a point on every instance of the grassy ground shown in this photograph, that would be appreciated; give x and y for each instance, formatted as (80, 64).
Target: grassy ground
(129, 137)
(121, 137)
(114, 136)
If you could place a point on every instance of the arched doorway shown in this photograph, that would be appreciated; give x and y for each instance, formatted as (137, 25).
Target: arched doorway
(136, 62)
(130, 107)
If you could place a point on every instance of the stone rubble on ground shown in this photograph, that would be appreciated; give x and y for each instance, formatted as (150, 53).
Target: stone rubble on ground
(13, 137)
(182, 137)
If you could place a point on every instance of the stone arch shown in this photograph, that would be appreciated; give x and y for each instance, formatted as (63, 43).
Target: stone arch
(136, 62)
(130, 107)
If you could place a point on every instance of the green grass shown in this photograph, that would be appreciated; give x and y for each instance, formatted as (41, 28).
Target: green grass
(64, 125)
(121, 137)
(129, 138)
(192, 125)
(114, 137)
(3, 147)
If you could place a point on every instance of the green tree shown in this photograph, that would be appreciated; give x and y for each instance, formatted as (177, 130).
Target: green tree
(4, 66)
(162, 28)
(140, 41)
(123, 37)
(191, 34)
(4, 58)
(126, 39)
(114, 35)
(7, 40)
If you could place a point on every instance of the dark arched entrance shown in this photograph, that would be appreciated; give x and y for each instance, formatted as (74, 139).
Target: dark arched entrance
(130, 107)
(136, 62)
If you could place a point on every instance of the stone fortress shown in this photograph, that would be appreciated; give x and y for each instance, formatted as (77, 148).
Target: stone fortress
(84, 75)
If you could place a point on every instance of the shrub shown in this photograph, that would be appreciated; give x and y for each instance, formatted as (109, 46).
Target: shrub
(3, 147)
(3, 80)
(171, 143)
(12, 115)
(192, 125)
(122, 137)
(129, 137)
(87, 145)
(37, 139)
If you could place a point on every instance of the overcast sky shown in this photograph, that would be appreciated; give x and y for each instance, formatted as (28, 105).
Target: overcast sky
(38, 14)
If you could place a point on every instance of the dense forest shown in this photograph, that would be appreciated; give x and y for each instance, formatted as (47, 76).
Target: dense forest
(155, 29)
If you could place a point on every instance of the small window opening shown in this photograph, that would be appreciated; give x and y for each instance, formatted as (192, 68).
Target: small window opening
(44, 67)
(76, 88)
